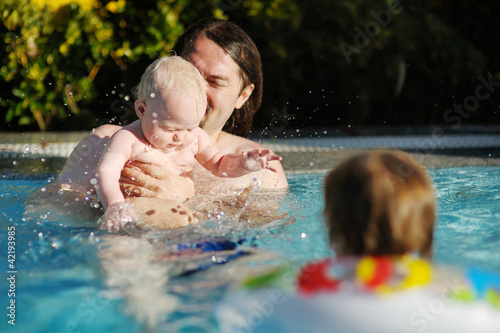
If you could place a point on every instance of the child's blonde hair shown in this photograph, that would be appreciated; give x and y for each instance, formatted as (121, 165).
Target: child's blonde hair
(380, 203)
(168, 73)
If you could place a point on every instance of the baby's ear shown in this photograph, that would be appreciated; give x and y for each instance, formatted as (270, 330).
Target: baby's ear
(140, 107)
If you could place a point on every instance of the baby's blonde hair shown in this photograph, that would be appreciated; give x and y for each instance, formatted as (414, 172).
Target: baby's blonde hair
(380, 203)
(169, 73)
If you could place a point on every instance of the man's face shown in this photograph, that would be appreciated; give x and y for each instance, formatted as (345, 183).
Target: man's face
(222, 83)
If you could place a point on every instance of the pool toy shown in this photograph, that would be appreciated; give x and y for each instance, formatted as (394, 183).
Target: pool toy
(371, 273)
(385, 294)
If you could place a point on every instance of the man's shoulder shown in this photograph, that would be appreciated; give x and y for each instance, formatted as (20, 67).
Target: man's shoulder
(106, 130)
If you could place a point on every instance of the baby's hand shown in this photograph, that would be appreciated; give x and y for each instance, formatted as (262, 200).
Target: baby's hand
(118, 215)
(258, 159)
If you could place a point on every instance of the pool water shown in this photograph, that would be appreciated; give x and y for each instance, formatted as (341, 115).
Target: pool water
(78, 279)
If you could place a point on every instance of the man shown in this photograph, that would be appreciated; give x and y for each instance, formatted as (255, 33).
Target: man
(230, 64)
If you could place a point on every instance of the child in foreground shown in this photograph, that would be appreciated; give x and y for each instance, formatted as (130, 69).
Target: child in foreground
(171, 103)
(377, 204)
(380, 215)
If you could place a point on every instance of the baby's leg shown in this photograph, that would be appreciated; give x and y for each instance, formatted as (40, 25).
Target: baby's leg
(163, 213)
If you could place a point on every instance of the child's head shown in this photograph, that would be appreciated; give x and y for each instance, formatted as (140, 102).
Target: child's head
(171, 102)
(380, 203)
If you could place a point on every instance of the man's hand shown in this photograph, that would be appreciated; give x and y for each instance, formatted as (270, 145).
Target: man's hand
(152, 181)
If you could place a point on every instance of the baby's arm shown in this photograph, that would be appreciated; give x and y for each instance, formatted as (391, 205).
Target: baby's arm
(231, 165)
(117, 153)
(113, 159)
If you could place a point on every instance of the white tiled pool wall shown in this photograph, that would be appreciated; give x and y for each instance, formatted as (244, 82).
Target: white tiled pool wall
(449, 141)
(456, 141)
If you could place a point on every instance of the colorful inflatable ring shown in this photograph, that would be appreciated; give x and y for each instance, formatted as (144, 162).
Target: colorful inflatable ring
(396, 294)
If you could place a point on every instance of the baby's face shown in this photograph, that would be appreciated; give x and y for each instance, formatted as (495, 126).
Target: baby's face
(170, 120)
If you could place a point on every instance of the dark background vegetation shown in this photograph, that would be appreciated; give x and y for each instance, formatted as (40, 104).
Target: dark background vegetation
(326, 63)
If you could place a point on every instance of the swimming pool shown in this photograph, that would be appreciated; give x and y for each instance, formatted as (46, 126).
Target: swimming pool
(77, 279)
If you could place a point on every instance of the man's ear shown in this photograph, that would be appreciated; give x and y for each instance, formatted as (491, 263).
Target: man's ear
(140, 107)
(244, 96)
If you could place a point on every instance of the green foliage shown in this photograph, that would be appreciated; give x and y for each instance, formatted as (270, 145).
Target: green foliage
(57, 55)
(48, 60)
(70, 64)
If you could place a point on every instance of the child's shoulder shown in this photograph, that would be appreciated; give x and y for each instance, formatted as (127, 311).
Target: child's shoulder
(201, 134)
(130, 134)
(130, 130)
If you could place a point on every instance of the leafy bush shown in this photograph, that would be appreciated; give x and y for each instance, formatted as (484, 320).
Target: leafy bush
(70, 64)
(52, 56)
(56, 55)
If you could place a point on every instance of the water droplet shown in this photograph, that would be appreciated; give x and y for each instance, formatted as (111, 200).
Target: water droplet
(93, 181)
(152, 95)
(303, 235)
(60, 191)
(127, 98)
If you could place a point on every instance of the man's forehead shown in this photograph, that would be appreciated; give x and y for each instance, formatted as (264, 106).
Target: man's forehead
(211, 60)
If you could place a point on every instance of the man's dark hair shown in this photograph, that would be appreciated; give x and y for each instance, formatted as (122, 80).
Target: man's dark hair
(240, 47)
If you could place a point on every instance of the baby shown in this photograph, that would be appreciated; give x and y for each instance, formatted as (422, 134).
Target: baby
(171, 102)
